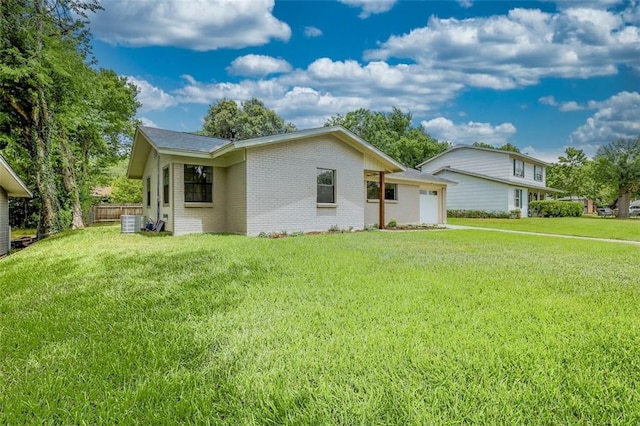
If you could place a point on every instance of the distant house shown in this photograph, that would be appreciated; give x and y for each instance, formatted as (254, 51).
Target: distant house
(589, 206)
(490, 179)
(309, 180)
(10, 186)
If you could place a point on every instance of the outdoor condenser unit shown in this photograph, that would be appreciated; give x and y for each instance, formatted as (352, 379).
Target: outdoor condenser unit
(130, 223)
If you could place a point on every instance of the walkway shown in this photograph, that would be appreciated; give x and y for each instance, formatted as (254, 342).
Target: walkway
(575, 237)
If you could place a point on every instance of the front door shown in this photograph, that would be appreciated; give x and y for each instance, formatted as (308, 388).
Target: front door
(428, 206)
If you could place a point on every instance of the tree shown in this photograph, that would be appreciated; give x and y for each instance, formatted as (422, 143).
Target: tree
(126, 191)
(618, 164)
(483, 145)
(225, 120)
(392, 133)
(54, 105)
(509, 147)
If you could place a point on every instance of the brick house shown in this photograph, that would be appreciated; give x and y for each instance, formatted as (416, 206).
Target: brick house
(310, 180)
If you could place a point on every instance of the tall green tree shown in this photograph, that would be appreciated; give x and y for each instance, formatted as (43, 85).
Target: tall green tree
(618, 164)
(252, 119)
(392, 133)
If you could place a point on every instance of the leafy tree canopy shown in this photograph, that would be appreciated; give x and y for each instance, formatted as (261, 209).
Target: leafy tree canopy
(618, 164)
(392, 133)
(252, 119)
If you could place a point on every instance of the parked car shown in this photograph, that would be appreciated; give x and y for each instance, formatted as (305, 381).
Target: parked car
(604, 211)
(634, 211)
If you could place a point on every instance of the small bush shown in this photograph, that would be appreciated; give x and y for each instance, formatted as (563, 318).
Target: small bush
(553, 208)
(478, 214)
(392, 223)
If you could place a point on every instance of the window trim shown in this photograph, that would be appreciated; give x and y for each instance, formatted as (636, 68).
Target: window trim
(517, 198)
(197, 203)
(324, 203)
(536, 175)
(515, 160)
(377, 197)
(148, 191)
(166, 182)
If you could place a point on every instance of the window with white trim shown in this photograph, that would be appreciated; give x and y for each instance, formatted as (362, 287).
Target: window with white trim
(198, 183)
(326, 186)
(537, 173)
(390, 191)
(518, 168)
(148, 191)
(518, 198)
(165, 185)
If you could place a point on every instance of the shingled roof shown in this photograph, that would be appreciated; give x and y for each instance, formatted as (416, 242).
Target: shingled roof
(181, 141)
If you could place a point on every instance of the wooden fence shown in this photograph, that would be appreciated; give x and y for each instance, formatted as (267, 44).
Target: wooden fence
(112, 212)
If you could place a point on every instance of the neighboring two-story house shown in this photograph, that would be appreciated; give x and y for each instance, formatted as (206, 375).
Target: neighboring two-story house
(490, 179)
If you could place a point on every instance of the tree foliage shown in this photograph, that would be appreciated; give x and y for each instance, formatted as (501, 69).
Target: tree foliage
(60, 118)
(252, 119)
(618, 164)
(392, 133)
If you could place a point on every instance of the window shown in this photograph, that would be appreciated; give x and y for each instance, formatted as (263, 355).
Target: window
(518, 168)
(198, 184)
(537, 173)
(165, 185)
(326, 186)
(518, 198)
(149, 192)
(390, 191)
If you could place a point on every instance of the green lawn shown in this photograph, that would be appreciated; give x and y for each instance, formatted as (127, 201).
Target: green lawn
(586, 226)
(363, 328)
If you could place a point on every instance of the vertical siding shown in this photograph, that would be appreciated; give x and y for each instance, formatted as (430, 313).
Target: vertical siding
(473, 193)
(487, 163)
(404, 211)
(237, 198)
(282, 185)
(200, 217)
(5, 238)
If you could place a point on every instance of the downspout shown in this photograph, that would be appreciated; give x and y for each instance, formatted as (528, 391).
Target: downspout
(381, 204)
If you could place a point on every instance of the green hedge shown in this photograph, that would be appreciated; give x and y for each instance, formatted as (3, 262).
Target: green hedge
(478, 214)
(552, 208)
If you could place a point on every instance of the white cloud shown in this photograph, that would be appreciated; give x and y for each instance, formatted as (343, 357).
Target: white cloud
(258, 65)
(198, 25)
(520, 48)
(466, 133)
(370, 7)
(617, 117)
(570, 106)
(311, 32)
(562, 106)
(147, 122)
(150, 96)
(466, 3)
(548, 100)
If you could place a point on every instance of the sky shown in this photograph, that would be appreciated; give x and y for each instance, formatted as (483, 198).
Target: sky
(543, 75)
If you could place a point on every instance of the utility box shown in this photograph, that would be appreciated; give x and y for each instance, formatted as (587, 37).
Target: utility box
(131, 223)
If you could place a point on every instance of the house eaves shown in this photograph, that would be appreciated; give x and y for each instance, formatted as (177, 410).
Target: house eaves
(10, 181)
(477, 148)
(495, 179)
(414, 176)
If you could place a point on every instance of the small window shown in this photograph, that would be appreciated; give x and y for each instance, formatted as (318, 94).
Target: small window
(518, 198)
(537, 173)
(390, 191)
(165, 185)
(198, 184)
(518, 168)
(326, 186)
(433, 192)
(149, 192)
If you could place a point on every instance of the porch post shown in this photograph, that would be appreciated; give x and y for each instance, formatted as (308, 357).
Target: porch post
(381, 204)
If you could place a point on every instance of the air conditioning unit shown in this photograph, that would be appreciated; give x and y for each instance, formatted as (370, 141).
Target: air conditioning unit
(130, 223)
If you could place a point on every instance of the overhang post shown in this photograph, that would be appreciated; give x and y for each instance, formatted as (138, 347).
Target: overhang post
(381, 204)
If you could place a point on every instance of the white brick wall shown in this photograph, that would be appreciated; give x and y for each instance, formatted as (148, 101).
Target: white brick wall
(237, 198)
(5, 238)
(282, 185)
(405, 210)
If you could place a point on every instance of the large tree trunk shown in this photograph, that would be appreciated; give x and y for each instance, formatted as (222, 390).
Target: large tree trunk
(623, 203)
(71, 185)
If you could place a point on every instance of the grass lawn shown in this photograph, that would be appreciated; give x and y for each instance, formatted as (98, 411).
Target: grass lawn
(585, 226)
(19, 233)
(367, 328)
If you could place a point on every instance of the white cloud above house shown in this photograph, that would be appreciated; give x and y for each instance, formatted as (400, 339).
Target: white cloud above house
(312, 32)
(520, 48)
(467, 133)
(151, 97)
(370, 7)
(197, 25)
(615, 118)
(258, 65)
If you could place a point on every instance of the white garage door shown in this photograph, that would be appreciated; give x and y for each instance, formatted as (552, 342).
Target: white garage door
(428, 206)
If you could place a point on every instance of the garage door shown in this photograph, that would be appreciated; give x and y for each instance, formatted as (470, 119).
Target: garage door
(428, 206)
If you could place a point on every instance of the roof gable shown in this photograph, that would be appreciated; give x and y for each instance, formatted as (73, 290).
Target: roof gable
(482, 149)
(10, 181)
(493, 179)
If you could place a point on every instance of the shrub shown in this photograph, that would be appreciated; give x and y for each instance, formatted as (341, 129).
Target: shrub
(392, 223)
(553, 208)
(478, 214)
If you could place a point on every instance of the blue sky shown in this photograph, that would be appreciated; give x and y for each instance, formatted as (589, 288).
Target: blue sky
(542, 75)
